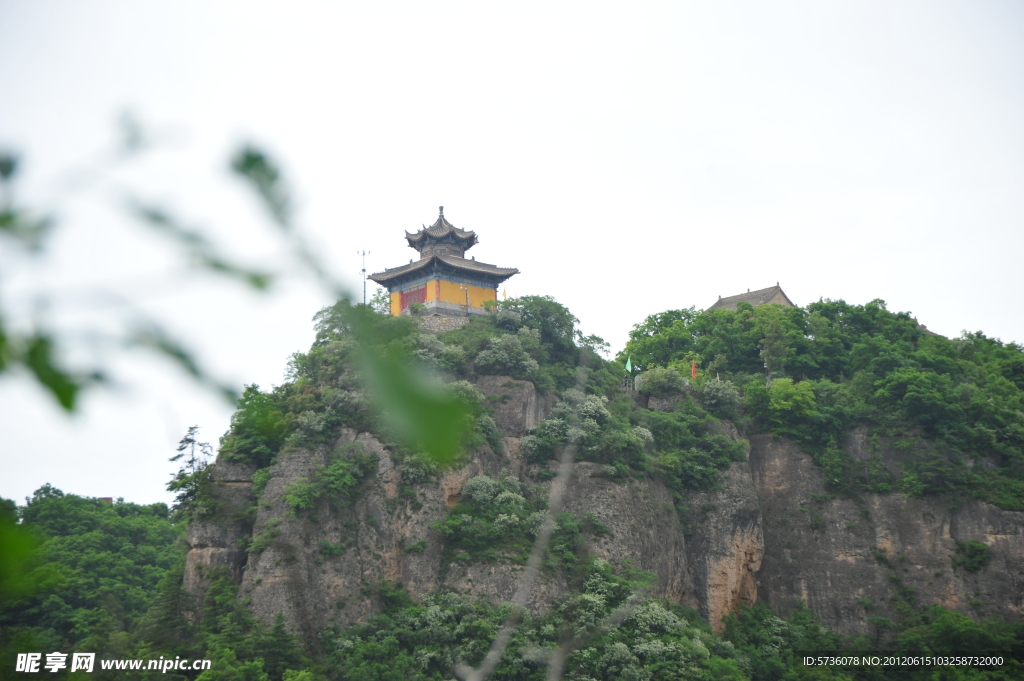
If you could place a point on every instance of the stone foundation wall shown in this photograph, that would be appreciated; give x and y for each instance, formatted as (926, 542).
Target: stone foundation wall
(438, 323)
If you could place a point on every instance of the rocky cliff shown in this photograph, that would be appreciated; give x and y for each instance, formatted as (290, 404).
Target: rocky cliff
(769, 532)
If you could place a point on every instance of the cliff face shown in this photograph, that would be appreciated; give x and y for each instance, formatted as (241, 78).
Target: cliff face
(770, 533)
(850, 562)
(216, 543)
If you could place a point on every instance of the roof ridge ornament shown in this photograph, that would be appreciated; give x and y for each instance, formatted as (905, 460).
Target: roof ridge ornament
(441, 209)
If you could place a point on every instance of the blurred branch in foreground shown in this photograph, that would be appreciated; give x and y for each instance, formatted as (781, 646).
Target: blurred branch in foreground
(427, 418)
(430, 419)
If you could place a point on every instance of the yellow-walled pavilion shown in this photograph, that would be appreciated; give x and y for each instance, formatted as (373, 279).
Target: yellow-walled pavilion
(443, 280)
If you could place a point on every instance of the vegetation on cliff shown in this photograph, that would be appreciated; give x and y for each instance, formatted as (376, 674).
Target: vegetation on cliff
(108, 577)
(533, 338)
(108, 580)
(955, 407)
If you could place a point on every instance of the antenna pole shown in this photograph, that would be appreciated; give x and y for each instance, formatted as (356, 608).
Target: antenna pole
(363, 272)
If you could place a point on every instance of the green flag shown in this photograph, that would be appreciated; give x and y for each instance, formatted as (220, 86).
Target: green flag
(629, 364)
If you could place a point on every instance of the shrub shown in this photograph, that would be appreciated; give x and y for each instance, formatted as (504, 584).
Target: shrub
(258, 428)
(719, 396)
(259, 481)
(505, 355)
(348, 466)
(660, 382)
(544, 440)
(429, 349)
(971, 555)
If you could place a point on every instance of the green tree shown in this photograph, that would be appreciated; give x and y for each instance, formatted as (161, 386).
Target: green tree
(660, 382)
(774, 348)
(195, 457)
(381, 302)
(98, 569)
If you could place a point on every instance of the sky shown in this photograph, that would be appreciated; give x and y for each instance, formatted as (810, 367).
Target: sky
(627, 159)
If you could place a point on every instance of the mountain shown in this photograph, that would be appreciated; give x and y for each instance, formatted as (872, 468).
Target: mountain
(876, 477)
(774, 482)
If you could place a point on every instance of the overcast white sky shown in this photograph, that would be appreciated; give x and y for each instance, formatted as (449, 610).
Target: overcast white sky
(627, 158)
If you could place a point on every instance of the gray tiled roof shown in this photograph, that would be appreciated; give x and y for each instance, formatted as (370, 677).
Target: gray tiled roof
(469, 266)
(755, 298)
(442, 228)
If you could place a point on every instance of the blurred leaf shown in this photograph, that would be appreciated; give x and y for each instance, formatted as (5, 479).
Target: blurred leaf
(198, 245)
(260, 171)
(133, 137)
(29, 231)
(427, 418)
(425, 415)
(8, 165)
(5, 347)
(38, 357)
(155, 338)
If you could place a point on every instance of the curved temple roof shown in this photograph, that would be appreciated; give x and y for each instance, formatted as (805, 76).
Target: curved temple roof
(439, 230)
(490, 273)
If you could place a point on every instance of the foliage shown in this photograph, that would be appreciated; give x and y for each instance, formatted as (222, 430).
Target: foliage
(971, 555)
(94, 576)
(494, 519)
(131, 607)
(956, 399)
(108, 579)
(259, 481)
(19, 550)
(788, 408)
(240, 646)
(660, 382)
(720, 397)
(191, 478)
(506, 354)
(532, 337)
(347, 466)
(380, 302)
(23, 230)
(429, 349)
(428, 640)
(648, 640)
(363, 371)
(770, 645)
(679, 446)
(258, 429)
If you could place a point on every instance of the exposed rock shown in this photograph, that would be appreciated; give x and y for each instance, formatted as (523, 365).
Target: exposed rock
(293, 576)
(643, 524)
(769, 532)
(518, 407)
(663, 403)
(215, 537)
(727, 546)
(838, 557)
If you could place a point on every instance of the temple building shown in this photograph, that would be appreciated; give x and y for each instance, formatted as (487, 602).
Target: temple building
(765, 296)
(443, 280)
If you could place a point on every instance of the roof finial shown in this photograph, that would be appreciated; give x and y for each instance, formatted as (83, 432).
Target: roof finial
(441, 208)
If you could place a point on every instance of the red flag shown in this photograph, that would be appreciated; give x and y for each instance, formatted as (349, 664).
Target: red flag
(693, 369)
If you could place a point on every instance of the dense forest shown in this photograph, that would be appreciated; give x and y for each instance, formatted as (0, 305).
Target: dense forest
(957, 404)
(107, 578)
